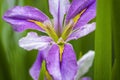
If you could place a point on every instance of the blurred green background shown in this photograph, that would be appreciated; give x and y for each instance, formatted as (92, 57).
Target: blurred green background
(15, 62)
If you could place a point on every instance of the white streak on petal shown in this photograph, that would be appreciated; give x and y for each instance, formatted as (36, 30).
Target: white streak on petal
(86, 29)
(33, 41)
(84, 64)
(58, 9)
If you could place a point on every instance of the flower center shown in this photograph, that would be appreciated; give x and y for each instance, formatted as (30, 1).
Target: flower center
(47, 26)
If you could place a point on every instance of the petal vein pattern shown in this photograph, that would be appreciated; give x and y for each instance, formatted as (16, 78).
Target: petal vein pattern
(58, 8)
(18, 17)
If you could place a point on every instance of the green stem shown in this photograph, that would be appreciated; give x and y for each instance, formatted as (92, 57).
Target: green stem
(116, 39)
(103, 49)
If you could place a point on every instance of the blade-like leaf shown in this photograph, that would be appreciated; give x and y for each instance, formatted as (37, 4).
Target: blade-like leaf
(116, 39)
(103, 47)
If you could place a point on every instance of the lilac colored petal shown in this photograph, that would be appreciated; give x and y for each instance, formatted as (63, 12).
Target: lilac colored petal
(35, 69)
(19, 18)
(53, 62)
(85, 30)
(84, 64)
(69, 63)
(33, 41)
(76, 7)
(87, 16)
(58, 8)
(86, 78)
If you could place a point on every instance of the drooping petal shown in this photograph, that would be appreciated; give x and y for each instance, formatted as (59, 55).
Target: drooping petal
(19, 17)
(58, 8)
(86, 78)
(76, 7)
(85, 30)
(69, 63)
(53, 62)
(35, 69)
(33, 41)
(87, 16)
(84, 64)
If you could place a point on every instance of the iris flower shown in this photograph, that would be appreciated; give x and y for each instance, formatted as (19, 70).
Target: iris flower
(70, 22)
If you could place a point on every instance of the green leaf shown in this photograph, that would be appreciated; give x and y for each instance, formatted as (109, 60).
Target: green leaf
(103, 43)
(116, 39)
(42, 72)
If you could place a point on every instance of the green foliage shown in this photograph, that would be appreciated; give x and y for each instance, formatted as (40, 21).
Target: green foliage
(116, 39)
(103, 41)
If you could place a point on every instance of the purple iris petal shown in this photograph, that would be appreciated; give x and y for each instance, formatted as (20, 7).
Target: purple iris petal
(86, 78)
(19, 18)
(77, 6)
(53, 62)
(87, 16)
(86, 29)
(33, 41)
(35, 69)
(58, 8)
(69, 63)
(84, 64)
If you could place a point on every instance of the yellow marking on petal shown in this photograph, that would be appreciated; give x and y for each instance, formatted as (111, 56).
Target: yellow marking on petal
(51, 32)
(61, 47)
(38, 23)
(67, 30)
(48, 28)
(75, 19)
(48, 76)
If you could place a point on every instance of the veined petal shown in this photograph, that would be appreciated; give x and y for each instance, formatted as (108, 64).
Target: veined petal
(84, 64)
(58, 8)
(33, 41)
(19, 17)
(35, 69)
(87, 16)
(69, 63)
(76, 7)
(83, 31)
(86, 78)
(53, 62)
